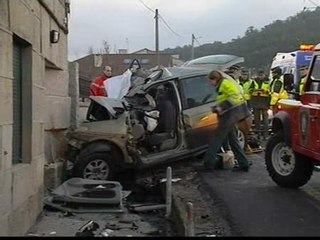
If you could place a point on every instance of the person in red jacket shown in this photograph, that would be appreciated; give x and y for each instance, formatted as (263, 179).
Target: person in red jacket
(97, 87)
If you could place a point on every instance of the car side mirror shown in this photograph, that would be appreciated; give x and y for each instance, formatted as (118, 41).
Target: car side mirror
(288, 81)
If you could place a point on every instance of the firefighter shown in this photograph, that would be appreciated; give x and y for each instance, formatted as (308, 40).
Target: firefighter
(260, 104)
(277, 90)
(303, 77)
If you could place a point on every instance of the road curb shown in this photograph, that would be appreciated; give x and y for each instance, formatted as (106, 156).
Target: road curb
(205, 218)
(178, 215)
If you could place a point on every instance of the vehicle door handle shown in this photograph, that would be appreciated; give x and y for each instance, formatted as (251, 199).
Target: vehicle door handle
(313, 118)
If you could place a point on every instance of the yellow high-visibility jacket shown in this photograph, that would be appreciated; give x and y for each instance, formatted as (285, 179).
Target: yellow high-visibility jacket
(229, 90)
(277, 91)
(301, 85)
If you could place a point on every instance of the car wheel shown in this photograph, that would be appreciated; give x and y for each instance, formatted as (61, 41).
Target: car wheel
(285, 167)
(96, 166)
(241, 138)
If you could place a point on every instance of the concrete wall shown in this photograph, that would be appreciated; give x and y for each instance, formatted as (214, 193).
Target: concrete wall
(46, 104)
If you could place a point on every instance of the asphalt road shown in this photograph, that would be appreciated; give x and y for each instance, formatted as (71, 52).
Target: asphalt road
(254, 205)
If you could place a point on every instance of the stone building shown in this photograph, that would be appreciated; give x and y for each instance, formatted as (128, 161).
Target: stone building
(35, 105)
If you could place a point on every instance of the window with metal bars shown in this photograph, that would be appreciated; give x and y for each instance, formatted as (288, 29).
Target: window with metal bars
(17, 103)
(21, 101)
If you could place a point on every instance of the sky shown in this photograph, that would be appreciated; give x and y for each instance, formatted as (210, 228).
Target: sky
(130, 24)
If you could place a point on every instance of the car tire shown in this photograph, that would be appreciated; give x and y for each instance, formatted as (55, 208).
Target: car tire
(241, 138)
(286, 167)
(96, 166)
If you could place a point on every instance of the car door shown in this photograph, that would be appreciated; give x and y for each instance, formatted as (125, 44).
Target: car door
(197, 97)
(309, 115)
(309, 123)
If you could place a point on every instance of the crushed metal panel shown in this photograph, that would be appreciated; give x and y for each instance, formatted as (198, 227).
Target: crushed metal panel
(86, 195)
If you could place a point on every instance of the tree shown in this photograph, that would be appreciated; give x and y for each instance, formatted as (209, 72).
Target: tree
(258, 47)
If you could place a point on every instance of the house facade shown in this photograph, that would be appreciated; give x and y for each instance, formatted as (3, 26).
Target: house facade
(35, 106)
(91, 66)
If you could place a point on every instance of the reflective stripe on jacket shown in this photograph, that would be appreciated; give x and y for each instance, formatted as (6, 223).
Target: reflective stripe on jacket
(265, 86)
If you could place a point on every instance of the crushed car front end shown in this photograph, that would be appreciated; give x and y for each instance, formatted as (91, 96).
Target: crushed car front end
(112, 132)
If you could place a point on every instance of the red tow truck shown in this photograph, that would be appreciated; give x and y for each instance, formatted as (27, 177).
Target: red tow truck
(293, 150)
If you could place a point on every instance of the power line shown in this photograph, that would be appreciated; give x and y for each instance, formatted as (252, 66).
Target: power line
(312, 2)
(317, 5)
(161, 18)
(164, 21)
(146, 6)
(197, 40)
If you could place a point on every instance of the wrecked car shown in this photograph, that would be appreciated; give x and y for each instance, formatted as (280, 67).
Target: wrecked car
(164, 117)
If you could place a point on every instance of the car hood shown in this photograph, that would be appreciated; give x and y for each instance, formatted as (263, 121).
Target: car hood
(220, 61)
(114, 106)
(88, 131)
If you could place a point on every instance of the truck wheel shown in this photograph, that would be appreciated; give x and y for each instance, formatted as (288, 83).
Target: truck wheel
(96, 166)
(285, 167)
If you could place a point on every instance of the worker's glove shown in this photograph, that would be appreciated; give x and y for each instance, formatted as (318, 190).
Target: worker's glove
(216, 109)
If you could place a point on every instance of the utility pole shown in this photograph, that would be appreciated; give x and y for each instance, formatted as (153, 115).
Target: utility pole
(192, 46)
(157, 37)
(127, 40)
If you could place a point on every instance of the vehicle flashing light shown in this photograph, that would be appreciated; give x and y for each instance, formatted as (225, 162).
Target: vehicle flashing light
(305, 47)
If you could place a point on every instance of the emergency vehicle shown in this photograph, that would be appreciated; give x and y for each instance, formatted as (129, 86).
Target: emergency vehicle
(289, 62)
(293, 150)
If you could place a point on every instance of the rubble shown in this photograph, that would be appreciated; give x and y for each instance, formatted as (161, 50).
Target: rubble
(85, 195)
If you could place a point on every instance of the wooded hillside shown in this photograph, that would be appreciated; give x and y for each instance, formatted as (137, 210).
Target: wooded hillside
(258, 47)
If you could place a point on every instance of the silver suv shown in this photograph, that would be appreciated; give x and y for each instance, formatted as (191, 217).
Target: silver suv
(164, 117)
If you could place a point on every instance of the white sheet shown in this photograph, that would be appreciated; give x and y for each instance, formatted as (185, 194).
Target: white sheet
(118, 86)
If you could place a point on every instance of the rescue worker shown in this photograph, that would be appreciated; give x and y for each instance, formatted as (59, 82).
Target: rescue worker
(231, 108)
(96, 111)
(303, 78)
(247, 85)
(97, 87)
(234, 72)
(260, 103)
(277, 90)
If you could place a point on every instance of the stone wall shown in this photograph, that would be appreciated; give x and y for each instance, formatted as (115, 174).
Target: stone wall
(45, 107)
